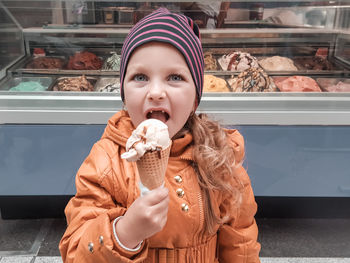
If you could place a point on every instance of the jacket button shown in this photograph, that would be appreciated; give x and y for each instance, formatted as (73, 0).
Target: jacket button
(178, 179)
(180, 192)
(100, 239)
(184, 207)
(91, 247)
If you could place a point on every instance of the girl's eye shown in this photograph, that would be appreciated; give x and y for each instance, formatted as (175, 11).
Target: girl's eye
(140, 77)
(175, 77)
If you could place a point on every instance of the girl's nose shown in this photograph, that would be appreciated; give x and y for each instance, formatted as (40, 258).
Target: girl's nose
(156, 91)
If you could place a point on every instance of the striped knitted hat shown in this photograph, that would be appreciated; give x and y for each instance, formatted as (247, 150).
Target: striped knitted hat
(179, 31)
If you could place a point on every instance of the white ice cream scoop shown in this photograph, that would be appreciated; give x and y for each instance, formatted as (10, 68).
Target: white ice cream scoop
(150, 135)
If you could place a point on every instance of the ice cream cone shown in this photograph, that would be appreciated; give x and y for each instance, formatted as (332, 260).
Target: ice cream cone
(152, 167)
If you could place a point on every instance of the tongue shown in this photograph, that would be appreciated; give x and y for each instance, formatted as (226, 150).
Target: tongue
(158, 115)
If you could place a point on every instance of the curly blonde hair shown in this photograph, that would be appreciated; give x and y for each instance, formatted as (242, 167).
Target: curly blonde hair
(214, 163)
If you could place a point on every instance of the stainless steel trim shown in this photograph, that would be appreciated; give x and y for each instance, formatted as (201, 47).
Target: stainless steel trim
(232, 109)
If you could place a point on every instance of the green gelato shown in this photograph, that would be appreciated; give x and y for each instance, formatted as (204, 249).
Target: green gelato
(29, 86)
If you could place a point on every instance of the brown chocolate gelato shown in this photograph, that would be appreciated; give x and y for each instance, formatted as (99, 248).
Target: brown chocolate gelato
(313, 63)
(46, 63)
(84, 61)
(74, 84)
(252, 80)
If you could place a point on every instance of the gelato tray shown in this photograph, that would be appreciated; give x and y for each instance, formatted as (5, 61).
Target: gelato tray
(27, 84)
(84, 60)
(296, 84)
(314, 63)
(75, 84)
(108, 85)
(252, 80)
(233, 61)
(78, 63)
(239, 59)
(215, 84)
(112, 62)
(46, 63)
(277, 63)
(334, 84)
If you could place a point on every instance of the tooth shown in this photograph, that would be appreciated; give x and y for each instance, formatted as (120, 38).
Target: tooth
(151, 111)
(162, 111)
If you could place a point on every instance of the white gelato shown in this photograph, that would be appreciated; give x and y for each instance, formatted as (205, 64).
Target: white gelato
(277, 63)
(150, 135)
(238, 61)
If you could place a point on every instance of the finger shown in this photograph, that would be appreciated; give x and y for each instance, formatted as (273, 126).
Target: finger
(156, 196)
(160, 214)
(161, 207)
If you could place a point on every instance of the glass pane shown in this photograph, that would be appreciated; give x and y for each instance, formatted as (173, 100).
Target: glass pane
(11, 43)
(249, 46)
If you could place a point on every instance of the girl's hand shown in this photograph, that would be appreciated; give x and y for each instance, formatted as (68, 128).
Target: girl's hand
(145, 217)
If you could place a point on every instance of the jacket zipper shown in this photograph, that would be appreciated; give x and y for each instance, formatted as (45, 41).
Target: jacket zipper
(201, 210)
(200, 201)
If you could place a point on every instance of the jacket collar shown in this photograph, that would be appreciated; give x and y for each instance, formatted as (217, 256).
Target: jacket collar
(120, 127)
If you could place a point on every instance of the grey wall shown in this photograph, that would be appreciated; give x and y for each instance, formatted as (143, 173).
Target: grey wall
(281, 160)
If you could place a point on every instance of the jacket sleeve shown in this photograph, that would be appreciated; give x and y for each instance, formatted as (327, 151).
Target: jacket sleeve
(237, 239)
(90, 213)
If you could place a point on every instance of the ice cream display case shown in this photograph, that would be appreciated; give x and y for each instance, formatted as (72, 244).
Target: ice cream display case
(285, 86)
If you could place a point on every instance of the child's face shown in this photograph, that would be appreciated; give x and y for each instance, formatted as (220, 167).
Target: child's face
(158, 84)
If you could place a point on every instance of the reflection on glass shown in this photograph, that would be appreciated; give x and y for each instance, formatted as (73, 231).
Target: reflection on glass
(266, 46)
(11, 44)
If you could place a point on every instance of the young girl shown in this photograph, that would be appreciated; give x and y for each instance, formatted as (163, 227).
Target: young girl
(205, 211)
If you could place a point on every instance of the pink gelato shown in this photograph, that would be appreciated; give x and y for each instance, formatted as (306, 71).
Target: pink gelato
(296, 84)
(339, 87)
(334, 84)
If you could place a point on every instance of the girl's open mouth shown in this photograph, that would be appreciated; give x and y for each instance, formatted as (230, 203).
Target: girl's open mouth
(159, 115)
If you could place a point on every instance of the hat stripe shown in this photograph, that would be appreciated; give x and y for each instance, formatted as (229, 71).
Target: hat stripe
(193, 39)
(147, 18)
(178, 36)
(197, 68)
(179, 46)
(174, 29)
(154, 25)
(165, 23)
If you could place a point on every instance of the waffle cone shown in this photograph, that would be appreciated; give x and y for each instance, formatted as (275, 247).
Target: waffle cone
(152, 168)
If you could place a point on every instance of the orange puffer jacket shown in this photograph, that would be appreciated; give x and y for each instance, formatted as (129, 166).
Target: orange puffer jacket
(107, 186)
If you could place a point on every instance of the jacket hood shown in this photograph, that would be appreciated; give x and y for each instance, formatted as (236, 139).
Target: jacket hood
(120, 127)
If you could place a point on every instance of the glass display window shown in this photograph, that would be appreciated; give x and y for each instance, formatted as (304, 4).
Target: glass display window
(265, 59)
